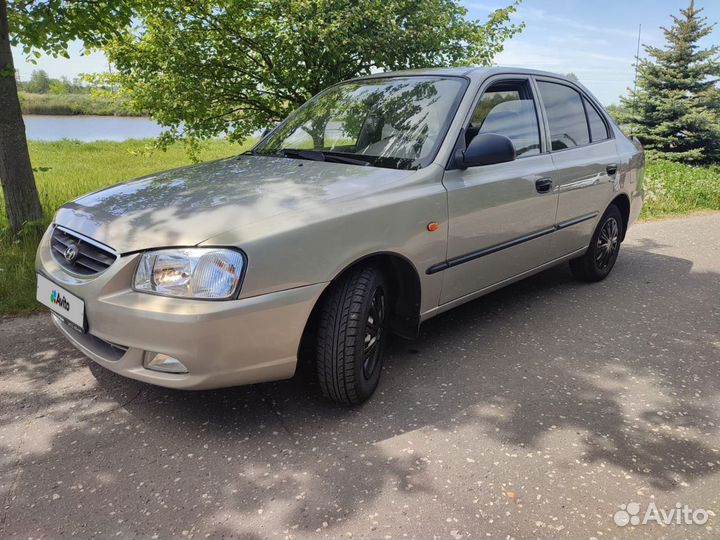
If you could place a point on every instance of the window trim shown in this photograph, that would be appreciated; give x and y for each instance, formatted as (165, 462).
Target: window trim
(487, 83)
(583, 94)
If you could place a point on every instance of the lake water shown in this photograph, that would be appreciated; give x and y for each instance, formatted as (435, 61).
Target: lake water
(89, 128)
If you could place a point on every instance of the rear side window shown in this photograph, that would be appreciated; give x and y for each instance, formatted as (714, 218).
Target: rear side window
(598, 129)
(566, 116)
(507, 108)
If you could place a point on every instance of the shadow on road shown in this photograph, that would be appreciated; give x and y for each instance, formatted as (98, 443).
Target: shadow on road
(630, 365)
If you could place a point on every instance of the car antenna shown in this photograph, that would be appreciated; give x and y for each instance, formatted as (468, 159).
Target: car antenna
(635, 97)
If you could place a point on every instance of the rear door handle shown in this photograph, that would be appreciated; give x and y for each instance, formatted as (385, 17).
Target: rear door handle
(543, 185)
(611, 169)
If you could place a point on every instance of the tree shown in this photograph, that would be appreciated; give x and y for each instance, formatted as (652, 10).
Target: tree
(39, 82)
(41, 25)
(617, 112)
(572, 76)
(59, 86)
(235, 66)
(676, 107)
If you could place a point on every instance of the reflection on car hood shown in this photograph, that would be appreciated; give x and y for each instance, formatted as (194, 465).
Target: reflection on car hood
(183, 207)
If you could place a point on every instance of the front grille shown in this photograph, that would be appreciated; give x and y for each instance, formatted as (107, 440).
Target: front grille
(87, 258)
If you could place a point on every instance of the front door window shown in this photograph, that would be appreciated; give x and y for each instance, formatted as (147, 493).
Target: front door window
(508, 108)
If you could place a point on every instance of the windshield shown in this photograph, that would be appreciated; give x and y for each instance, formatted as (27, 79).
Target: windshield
(387, 122)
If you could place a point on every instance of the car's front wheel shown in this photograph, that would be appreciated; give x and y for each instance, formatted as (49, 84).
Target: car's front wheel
(600, 257)
(352, 330)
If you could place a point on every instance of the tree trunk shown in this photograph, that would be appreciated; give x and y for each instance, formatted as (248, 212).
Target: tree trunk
(22, 203)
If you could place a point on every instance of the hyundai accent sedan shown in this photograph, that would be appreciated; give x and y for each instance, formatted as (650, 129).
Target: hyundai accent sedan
(380, 203)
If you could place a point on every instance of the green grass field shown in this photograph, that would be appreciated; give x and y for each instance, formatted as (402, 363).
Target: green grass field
(66, 169)
(674, 189)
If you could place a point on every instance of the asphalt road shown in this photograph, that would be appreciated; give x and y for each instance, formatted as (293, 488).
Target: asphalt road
(533, 412)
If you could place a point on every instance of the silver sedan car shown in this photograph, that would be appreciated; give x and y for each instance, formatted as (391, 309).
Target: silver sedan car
(380, 203)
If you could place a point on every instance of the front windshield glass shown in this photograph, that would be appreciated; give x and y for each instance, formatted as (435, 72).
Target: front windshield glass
(387, 122)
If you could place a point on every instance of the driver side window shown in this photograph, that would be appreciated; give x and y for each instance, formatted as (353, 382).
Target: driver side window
(507, 108)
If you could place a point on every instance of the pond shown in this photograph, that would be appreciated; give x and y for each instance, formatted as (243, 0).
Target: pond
(89, 128)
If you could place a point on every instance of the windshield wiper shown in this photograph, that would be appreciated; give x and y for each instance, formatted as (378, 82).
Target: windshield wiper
(316, 155)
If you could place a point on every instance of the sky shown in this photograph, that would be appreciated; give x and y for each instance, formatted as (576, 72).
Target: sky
(596, 40)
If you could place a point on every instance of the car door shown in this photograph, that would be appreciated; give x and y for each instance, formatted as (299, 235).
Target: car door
(585, 159)
(502, 215)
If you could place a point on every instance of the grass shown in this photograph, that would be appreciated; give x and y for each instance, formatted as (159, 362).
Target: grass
(66, 169)
(674, 189)
(70, 104)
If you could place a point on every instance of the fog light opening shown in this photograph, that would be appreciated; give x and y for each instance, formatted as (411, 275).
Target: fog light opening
(164, 363)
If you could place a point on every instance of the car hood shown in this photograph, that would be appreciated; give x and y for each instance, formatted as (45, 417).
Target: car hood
(185, 206)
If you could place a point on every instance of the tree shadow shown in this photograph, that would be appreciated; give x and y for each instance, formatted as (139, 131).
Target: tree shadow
(629, 364)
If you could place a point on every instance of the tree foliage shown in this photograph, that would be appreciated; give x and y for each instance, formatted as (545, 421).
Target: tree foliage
(618, 113)
(234, 66)
(49, 25)
(39, 82)
(676, 108)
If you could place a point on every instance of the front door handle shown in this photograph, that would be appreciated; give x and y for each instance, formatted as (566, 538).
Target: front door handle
(543, 185)
(611, 169)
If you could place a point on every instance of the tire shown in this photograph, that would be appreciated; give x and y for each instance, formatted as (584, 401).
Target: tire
(599, 259)
(352, 331)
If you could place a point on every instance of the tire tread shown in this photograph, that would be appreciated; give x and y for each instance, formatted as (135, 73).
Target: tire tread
(339, 324)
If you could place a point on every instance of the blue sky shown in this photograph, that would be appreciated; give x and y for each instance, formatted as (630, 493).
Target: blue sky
(594, 40)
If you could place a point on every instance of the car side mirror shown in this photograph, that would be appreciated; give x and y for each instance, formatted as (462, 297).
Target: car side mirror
(486, 149)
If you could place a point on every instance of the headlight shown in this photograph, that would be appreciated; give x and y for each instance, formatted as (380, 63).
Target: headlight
(211, 273)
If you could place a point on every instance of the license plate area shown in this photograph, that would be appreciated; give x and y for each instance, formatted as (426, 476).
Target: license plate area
(69, 307)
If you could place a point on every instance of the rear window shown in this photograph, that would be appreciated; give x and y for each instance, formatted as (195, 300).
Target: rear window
(598, 129)
(566, 116)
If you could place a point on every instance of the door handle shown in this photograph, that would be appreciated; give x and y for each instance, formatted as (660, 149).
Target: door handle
(611, 169)
(543, 185)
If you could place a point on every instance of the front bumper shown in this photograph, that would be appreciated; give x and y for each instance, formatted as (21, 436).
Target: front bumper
(222, 343)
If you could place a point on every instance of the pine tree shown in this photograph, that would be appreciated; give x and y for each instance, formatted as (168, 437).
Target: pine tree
(676, 107)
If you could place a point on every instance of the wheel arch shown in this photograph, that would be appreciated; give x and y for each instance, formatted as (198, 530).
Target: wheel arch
(406, 288)
(622, 201)
(407, 294)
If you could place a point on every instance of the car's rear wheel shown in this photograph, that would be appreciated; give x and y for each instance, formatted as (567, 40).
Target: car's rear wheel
(352, 330)
(599, 260)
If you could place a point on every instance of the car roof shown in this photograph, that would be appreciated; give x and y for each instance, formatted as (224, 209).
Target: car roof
(470, 72)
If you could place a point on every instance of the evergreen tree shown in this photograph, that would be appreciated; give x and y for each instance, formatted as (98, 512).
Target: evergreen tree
(676, 107)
